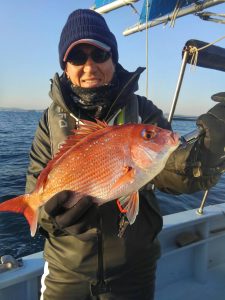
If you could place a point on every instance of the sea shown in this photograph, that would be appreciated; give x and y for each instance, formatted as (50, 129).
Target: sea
(17, 129)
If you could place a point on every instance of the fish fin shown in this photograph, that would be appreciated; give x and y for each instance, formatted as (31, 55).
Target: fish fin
(130, 205)
(85, 128)
(32, 218)
(127, 177)
(20, 205)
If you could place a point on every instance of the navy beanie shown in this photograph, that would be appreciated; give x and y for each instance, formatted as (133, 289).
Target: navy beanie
(86, 24)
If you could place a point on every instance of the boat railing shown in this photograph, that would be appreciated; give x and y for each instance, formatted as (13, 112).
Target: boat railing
(23, 283)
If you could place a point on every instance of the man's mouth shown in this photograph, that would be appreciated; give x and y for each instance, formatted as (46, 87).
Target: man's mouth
(90, 82)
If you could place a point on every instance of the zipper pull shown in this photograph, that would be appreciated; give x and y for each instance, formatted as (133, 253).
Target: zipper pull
(123, 223)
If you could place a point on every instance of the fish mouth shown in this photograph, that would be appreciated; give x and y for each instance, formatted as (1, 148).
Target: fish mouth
(174, 139)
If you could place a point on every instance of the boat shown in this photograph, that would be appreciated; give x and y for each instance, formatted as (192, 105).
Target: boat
(192, 263)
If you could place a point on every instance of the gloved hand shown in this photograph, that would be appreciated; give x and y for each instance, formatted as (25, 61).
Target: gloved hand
(75, 220)
(213, 123)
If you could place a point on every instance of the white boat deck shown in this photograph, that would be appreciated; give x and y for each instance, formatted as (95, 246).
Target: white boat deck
(196, 268)
(192, 265)
(212, 289)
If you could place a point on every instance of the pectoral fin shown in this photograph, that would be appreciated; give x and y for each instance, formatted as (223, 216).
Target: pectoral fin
(126, 178)
(130, 205)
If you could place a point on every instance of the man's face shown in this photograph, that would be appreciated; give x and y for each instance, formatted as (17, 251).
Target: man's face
(89, 74)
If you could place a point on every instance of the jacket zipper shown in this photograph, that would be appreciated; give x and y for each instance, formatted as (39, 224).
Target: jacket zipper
(101, 286)
(120, 93)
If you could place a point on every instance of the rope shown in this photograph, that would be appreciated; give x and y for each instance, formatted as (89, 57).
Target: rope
(194, 51)
(134, 9)
(175, 13)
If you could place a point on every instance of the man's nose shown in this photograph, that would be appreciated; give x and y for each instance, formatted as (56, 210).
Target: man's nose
(89, 65)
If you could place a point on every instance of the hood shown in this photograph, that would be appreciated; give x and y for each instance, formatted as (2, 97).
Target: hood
(128, 84)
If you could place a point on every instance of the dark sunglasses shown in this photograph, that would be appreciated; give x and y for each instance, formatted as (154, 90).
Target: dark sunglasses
(78, 57)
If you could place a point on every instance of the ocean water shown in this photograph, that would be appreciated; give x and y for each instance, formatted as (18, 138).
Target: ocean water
(17, 129)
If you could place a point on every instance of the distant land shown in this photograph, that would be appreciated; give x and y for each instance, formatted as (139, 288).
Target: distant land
(182, 117)
(18, 109)
(176, 117)
(186, 118)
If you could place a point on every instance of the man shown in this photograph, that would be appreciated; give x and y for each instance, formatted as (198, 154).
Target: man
(92, 252)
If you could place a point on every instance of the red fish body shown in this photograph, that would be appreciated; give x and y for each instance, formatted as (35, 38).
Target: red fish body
(105, 162)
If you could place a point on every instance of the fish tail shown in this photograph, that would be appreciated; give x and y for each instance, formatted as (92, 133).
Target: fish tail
(21, 205)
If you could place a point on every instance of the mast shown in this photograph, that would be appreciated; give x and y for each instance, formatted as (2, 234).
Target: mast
(182, 12)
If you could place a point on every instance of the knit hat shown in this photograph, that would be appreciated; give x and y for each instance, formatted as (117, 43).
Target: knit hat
(86, 26)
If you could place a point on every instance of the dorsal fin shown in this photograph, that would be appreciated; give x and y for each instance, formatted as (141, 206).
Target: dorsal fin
(85, 129)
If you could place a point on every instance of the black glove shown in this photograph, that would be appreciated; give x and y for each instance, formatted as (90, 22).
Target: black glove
(75, 220)
(213, 123)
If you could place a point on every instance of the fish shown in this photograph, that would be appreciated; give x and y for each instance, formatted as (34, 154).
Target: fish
(104, 162)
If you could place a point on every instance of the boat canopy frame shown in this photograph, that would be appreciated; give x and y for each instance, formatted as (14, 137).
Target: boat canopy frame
(208, 56)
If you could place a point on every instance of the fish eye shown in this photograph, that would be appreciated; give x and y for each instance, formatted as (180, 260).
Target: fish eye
(148, 134)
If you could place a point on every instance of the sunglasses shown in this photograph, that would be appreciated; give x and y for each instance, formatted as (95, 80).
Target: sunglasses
(78, 57)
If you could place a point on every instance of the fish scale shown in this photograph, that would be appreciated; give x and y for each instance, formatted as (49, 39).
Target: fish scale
(101, 175)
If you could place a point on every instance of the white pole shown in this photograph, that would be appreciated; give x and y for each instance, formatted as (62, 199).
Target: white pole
(114, 5)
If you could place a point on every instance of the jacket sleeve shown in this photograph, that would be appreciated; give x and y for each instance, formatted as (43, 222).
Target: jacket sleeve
(40, 153)
(184, 171)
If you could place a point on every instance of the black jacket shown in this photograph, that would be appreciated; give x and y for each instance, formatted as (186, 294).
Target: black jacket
(104, 254)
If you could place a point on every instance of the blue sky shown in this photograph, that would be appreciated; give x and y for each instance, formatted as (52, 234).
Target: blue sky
(30, 33)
